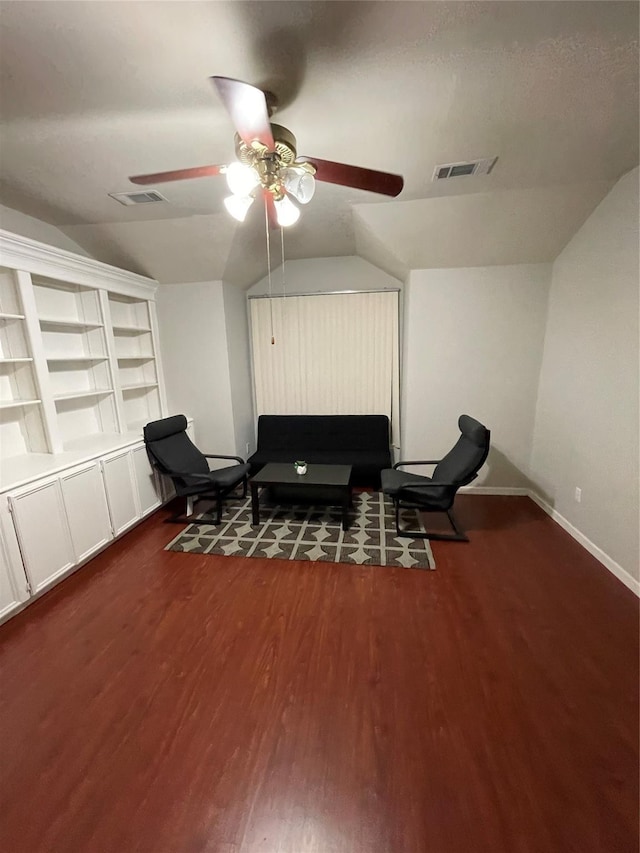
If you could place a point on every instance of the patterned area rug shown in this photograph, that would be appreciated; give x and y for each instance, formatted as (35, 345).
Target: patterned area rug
(312, 533)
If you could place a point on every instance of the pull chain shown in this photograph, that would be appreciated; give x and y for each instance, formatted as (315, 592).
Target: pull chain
(284, 290)
(266, 224)
(284, 285)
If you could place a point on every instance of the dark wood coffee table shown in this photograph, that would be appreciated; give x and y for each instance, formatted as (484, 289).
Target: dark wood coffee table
(323, 480)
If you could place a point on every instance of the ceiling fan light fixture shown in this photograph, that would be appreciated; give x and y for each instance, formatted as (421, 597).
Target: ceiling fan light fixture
(268, 164)
(286, 211)
(300, 184)
(238, 206)
(241, 179)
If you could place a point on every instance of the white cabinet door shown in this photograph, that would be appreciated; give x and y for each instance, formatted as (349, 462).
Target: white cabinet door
(121, 492)
(147, 481)
(9, 595)
(14, 588)
(86, 505)
(168, 489)
(41, 524)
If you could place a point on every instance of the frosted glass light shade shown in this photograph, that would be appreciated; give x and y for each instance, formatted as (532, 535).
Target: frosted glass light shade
(286, 211)
(241, 179)
(238, 205)
(300, 184)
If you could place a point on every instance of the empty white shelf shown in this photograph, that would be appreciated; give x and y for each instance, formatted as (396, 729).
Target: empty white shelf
(76, 395)
(69, 323)
(137, 386)
(80, 358)
(5, 316)
(12, 404)
(136, 358)
(130, 330)
(14, 360)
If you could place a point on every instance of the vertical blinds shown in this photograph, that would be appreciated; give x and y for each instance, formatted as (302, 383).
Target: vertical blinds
(333, 354)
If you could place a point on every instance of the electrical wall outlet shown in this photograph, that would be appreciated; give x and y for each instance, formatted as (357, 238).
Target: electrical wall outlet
(578, 494)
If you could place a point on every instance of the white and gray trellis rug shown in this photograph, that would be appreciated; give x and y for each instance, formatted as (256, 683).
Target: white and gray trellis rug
(302, 532)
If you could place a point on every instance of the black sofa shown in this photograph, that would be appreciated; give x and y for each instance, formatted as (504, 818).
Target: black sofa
(362, 441)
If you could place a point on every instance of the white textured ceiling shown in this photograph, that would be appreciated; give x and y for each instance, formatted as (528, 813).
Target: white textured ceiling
(92, 92)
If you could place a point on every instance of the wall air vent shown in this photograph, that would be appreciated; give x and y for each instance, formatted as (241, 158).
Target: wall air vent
(138, 197)
(471, 167)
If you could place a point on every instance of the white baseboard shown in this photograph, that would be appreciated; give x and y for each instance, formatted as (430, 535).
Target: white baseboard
(609, 563)
(494, 490)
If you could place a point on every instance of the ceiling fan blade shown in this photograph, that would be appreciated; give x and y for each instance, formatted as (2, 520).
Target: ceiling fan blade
(247, 107)
(177, 175)
(355, 176)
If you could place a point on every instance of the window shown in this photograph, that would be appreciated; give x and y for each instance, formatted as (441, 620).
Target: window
(331, 354)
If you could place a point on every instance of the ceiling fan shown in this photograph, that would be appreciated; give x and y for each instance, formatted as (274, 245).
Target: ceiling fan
(268, 161)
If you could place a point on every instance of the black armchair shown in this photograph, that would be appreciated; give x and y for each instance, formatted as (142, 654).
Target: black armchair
(436, 494)
(172, 452)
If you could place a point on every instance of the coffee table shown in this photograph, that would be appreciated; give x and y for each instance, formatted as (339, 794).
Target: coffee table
(331, 480)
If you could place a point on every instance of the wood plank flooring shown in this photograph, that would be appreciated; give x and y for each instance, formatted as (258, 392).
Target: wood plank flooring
(161, 702)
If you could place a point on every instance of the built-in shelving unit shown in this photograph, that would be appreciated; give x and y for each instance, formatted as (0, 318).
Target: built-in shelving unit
(136, 360)
(21, 419)
(75, 345)
(78, 360)
(80, 375)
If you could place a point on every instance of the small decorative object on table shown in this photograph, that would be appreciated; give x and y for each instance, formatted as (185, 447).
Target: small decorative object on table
(300, 466)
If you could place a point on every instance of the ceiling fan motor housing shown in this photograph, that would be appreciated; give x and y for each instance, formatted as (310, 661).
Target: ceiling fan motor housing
(268, 164)
(285, 147)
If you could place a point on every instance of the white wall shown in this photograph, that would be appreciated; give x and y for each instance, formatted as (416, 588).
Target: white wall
(237, 330)
(316, 275)
(192, 306)
(473, 344)
(586, 430)
(193, 344)
(36, 229)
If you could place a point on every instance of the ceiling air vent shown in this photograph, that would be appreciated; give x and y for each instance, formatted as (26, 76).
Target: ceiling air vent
(138, 197)
(471, 167)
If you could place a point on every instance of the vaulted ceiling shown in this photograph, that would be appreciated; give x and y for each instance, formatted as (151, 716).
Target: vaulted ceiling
(92, 92)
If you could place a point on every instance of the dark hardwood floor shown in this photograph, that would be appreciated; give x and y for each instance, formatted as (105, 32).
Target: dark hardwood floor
(176, 703)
